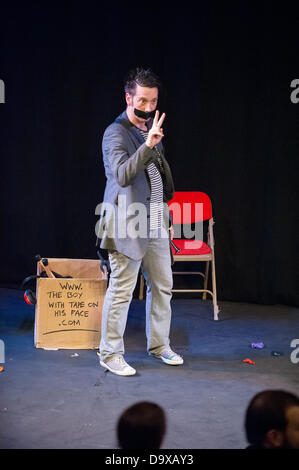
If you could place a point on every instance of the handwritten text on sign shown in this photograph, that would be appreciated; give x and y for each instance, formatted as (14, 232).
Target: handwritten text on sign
(68, 305)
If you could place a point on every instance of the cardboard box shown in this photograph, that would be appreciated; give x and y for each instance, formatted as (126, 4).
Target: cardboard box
(68, 312)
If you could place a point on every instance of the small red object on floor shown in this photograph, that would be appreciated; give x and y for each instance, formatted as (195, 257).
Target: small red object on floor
(249, 361)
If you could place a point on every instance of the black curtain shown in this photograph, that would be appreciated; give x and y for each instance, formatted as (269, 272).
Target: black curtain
(231, 129)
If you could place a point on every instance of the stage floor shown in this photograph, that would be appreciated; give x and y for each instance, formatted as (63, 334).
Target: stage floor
(49, 399)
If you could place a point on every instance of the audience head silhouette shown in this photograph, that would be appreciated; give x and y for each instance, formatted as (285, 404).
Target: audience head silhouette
(141, 426)
(272, 420)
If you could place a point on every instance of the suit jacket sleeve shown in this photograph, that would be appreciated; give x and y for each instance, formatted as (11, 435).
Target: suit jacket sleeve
(124, 166)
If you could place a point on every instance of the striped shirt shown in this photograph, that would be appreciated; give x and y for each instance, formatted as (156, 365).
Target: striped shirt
(156, 201)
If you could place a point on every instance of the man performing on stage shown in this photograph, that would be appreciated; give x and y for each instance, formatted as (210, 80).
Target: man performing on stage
(137, 175)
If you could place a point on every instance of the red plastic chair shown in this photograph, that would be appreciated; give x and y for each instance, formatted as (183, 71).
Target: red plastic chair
(190, 207)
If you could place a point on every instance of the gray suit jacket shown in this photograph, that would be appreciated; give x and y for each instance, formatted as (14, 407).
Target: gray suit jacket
(126, 157)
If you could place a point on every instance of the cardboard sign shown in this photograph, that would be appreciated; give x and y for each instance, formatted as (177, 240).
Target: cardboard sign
(68, 312)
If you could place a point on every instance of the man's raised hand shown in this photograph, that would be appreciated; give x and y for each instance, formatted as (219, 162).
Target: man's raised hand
(156, 132)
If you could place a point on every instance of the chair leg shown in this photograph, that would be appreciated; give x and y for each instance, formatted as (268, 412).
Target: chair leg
(211, 239)
(141, 287)
(204, 295)
(216, 309)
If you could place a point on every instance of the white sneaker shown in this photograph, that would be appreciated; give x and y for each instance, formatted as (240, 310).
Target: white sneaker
(169, 357)
(118, 365)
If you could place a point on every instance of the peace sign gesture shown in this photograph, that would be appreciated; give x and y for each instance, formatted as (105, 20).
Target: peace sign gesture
(156, 132)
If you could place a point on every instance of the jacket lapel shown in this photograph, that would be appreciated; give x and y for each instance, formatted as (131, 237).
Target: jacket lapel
(135, 132)
(123, 119)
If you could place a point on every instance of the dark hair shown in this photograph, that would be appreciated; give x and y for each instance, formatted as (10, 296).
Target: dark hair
(141, 77)
(267, 410)
(141, 426)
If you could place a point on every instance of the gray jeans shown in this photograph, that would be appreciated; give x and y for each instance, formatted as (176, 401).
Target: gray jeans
(156, 266)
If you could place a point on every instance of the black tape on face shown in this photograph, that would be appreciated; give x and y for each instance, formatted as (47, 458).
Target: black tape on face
(144, 114)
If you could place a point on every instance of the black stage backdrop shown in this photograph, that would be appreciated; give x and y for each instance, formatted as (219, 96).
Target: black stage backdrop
(231, 129)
